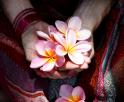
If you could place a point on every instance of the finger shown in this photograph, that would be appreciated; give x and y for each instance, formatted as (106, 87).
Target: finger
(70, 65)
(87, 59)
(72, 73)
(30, 54)
(55, 74)
(85, 54)
(84, 66)
(78, 70)
(41, 26)
(58, 74)
(92, 53)
(41, 73)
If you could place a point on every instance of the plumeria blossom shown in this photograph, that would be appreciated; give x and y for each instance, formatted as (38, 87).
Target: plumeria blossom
(70, 46)
(47, 59)
(74, 23)
(65, 39)
(69, 94)
(50, 36)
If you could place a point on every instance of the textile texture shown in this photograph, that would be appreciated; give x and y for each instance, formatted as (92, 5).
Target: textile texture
(102, 82)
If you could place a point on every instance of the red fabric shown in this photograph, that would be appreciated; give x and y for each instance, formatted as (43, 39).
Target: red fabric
(23, 20)
(88, 77)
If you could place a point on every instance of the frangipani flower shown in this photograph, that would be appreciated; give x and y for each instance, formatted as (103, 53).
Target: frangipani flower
(68, 45)
(74, 23)
(50, 36)
(69, 94)
(47, 59)
(67, 40)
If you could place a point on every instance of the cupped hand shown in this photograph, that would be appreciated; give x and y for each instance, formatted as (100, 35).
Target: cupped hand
(29, 39)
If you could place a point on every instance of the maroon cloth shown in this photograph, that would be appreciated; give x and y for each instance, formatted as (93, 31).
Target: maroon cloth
(88, 78)
(24, 19)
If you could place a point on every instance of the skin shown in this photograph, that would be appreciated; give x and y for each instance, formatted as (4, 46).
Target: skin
(88, 13)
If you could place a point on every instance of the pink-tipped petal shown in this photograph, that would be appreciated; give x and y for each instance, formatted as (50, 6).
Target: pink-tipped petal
(40, 47)
(50, 48)
(38, 62)
(83, 34)
(48, 66)
(60, 61)
(74, 23)
(60, 50)
(61, 100)
(71, 38)
(65, 91)
(52, 30)
(76, 57)
(50, 45)
(43, 35)
(60, 34)
(61, 26)
(59, 39)
(83, 46)
(79, 92)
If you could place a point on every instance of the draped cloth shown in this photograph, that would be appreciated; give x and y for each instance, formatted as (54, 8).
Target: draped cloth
(102, 81)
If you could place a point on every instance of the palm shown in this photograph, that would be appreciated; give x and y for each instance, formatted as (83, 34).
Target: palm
(29, 39)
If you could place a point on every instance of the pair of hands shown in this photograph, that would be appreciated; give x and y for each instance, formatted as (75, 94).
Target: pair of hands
(29, 38)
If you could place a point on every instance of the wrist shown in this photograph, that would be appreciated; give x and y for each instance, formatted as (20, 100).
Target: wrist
(13, 7)
(92, 12)
(89, 22)
(23, 20)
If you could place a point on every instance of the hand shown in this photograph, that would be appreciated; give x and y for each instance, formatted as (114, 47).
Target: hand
(85, 34)
(29, 38)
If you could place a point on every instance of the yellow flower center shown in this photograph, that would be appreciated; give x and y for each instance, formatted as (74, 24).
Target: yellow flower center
(74, 99)
(70, 49)
(77, 33)
(51, 54)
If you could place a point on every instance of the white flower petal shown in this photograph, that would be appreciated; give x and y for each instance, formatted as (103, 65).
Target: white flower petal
(51, 28)
(76, 57)
(40, 47)
(60, 50)
(48, 66)
(38, 62)
(83, 34)
(71, 38)
(74, 23)
(43, 35)
(60, 39)
(83, 46)
(61, 26)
